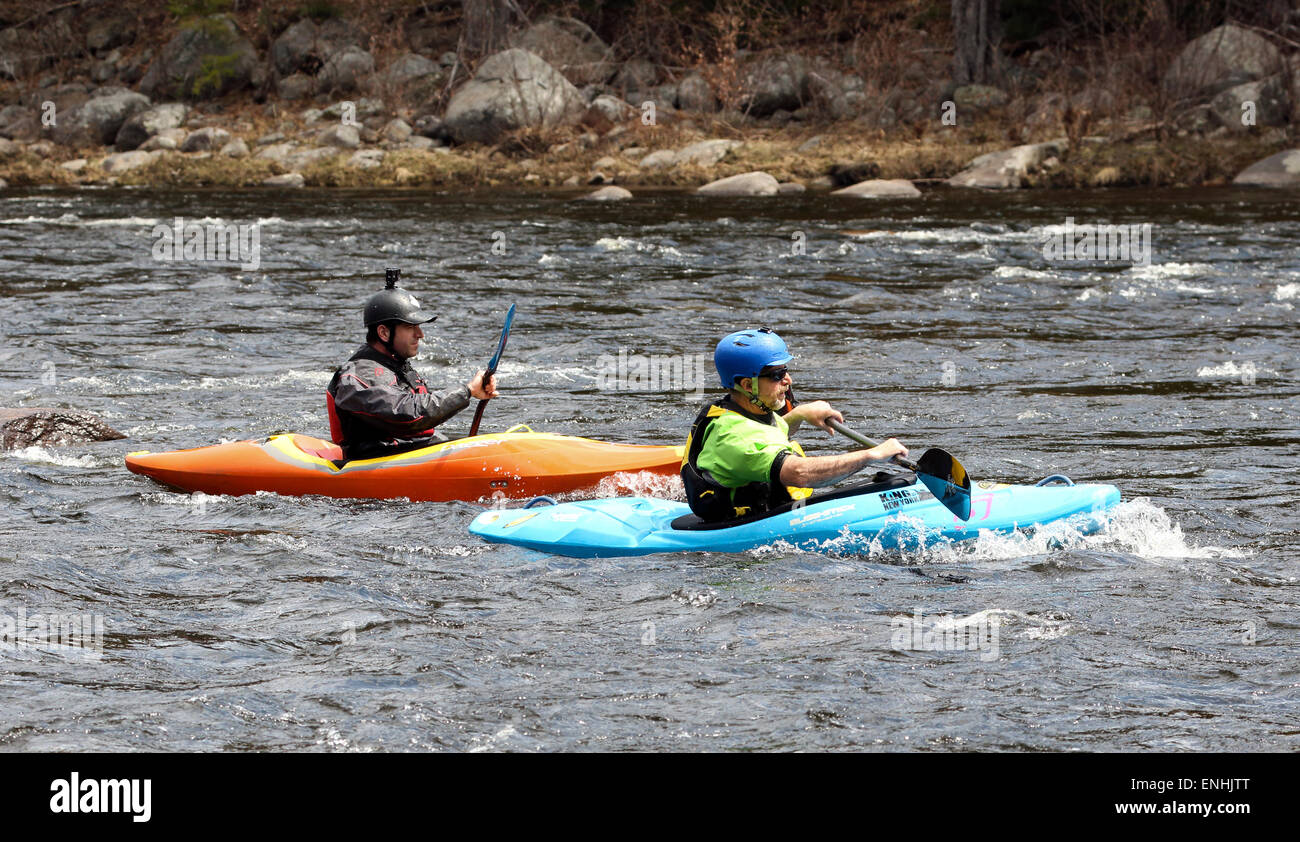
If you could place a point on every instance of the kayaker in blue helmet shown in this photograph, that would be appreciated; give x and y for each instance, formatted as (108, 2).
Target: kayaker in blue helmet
(378, 404)
(739, 457)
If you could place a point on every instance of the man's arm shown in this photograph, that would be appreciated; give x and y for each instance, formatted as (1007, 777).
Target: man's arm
(395, 410)
(817, 471)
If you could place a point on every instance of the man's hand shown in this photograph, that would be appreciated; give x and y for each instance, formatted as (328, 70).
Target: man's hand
(887, 450)
(815, 411)
(476, 389)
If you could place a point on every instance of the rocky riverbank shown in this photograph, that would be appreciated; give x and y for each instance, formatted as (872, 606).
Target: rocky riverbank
(316, 108)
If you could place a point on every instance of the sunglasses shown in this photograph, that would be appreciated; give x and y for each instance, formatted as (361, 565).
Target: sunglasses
(775, 375)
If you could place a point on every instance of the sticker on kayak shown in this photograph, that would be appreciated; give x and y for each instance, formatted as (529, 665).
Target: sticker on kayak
(518, 521)
(822, 515)
(991, 485)
(898, 498)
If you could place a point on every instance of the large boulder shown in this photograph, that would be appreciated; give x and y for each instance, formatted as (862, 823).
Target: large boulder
(745, 184)
(773, 83)
(205, 60)
(1224, 56)
(305, 46)
(347, 70)
(18, 122)
(44, 426)
(123, 161)
(512, 90)
(705, 153)
(695, 94)
(206, 139)
(97, 121)
(610, 193)
(1269, 100)
(1280, 170)
(570, 47)
(636, 74)
(409, 68)
(109, 32)
(140, 127)
(880, 188)
(1008, 168)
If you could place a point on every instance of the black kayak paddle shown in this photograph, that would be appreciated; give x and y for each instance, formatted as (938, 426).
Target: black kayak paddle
(492, 368)
(938, 470)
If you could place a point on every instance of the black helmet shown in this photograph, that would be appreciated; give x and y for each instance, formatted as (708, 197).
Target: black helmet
(394, 304)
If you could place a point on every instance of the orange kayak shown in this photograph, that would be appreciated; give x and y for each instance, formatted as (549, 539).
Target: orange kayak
(510, 465)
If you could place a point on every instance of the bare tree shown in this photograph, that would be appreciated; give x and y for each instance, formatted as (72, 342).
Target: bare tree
(976, 30)
(486, 26)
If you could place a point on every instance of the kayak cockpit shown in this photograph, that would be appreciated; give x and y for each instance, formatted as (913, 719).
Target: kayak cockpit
(882, 482)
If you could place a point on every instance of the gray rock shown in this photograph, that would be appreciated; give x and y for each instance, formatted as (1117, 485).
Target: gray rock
(205, 60)
(607, 194)
(880, 188)
(140, 127)
(419, 141)
(340, 136)
(1224, 56)
(771, 83)
(810, 144)
(76, 165)
(366, 159)
(789, 188)
(306, 46)
(659, 160)
(123, 161)
(303, 158)
(695, 94)
(706, 153)
(36, 425)
(289, 179)
(347, 69)
(974, 99)
(107, 33)
(613, 109)
(3, 184)
(268, 139)
(398, 131)
(97, 121)
(430, 126)
(297, 86)
(570, 47)
(165, 139)
(638, 74)
(279, 152)
(1007, 169)
(103, 72)
(236, 148)
(1280, 170)
(206, 139)
(1270, 99)
(745, 184)
(8, 148)
(513, 89)
(408, 68)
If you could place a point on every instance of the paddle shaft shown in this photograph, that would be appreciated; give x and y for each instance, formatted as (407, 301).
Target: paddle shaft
(866, 442)
(492, 369)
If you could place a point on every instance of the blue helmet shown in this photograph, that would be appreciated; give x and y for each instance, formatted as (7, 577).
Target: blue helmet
(747, 352)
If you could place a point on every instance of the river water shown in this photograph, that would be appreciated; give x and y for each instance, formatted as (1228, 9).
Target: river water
(301, 624)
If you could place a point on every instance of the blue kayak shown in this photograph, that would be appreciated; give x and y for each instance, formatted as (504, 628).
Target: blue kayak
(897, 513)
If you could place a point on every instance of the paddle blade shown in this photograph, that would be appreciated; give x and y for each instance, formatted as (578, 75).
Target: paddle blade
(947, 480)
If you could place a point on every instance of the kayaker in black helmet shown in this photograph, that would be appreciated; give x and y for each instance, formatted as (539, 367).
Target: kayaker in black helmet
(377, 403)
(739, 458)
